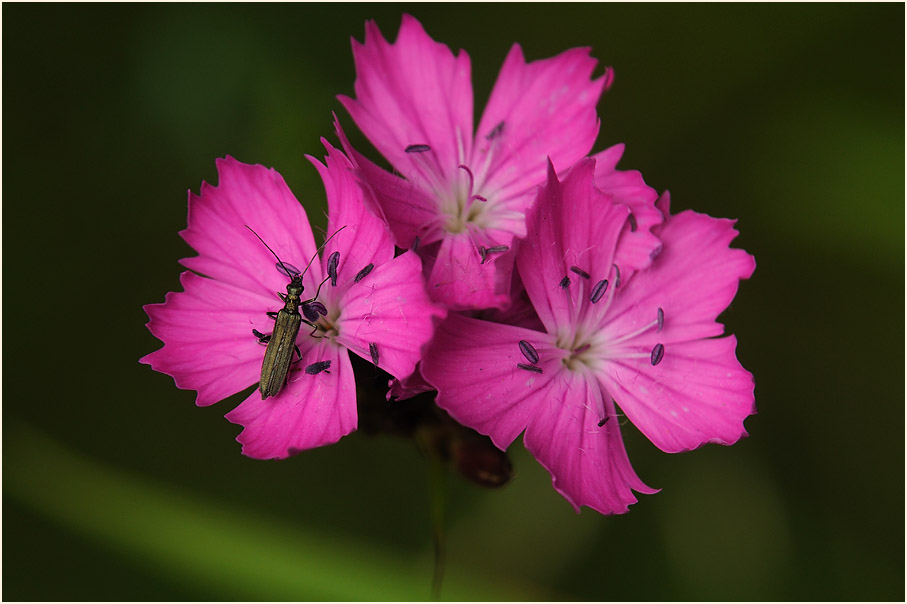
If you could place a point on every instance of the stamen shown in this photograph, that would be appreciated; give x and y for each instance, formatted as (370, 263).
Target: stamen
(287, 269)
(316, 368)
(617, 276)
(333, 261)
(416, 242)
(565, 282)
(310, 313)
(418, 148)
(531, 368)
(497, 249)
(661, 319)
(318, 307)
(529, 352)
(657, 354)
(582, 349)
(599, 291)
(364, 273)
(496, 131)
(373, 350)
(632, 220)
(604, 421)
(580, 272)
(483, 253)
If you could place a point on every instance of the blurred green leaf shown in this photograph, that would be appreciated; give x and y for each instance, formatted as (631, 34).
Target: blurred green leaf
(225, 552)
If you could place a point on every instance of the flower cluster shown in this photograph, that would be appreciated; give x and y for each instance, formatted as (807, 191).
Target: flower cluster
(535, 288)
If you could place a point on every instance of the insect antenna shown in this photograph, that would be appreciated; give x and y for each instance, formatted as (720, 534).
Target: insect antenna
(284, 265)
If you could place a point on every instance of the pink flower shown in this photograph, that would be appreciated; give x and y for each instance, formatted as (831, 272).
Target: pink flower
(464, 196)
(644, 341)
(374, 305)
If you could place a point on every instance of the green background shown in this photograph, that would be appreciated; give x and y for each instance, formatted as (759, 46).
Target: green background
(789, 118)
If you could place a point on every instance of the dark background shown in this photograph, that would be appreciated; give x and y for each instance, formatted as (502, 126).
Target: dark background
(116, 487)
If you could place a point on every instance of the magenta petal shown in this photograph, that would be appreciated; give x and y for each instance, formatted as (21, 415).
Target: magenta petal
(389, 309)
(360, 237)
(311, 410)
(413, 92)
(588, 463)
(258, 197)
(460, 280)
(540, 110)
(699, 393)
(637, 244)
(207, 335)
(693, 280)
(408, 211)
(473, 365)
(572, 224)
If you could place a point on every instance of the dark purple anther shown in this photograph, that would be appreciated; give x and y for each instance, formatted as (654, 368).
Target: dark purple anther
(318, 307)
(373, 350)
(333, 261)
(310, 312)
(496, 131)
(316, 368)
(604, 421)
(497, 249)
(529, 352)
(580, 272)
(418, 148)
(415, 243)
(364, 273)
(483, 253)
(632, 220)
(287, 269)
(616, 276)
(661, 318)
(565, 282)
(658, 353)
(598, 291)
(531, 368)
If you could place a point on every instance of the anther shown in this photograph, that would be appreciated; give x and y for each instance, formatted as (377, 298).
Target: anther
(529, 352)
(616, 276)
(565, 282)
(497, 249)
(471, 183)
(483, 253)
(418, 148)
(373, 350)
(415, 245)
(580, 272)
(364, 273)
(632, 220)
(658, 353)
(316, 368)
(599, 291)
(604, 421)
(661, 318)
(531, 368)
(496, 131)
(287, 269)
(333, 261)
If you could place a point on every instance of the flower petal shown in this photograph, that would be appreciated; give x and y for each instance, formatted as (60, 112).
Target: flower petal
(699, 393)
(637, 245)
(693, 280)
(390, 309)
(588, 463)
(413, 92)
(461, 281)
(360, 237)
(207, 335)
(258, 197)
(408, 211)
(572, 224)
(310, 411)
(473, 365)
(540, 110)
